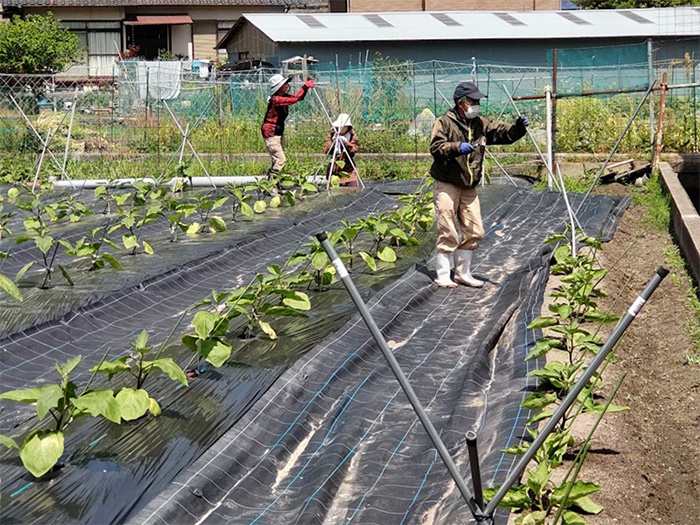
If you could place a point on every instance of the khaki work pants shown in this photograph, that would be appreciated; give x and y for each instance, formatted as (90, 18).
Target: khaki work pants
(275, 147)
(457, 206)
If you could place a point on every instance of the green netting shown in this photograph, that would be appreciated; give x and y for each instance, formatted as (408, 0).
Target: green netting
(601, 69)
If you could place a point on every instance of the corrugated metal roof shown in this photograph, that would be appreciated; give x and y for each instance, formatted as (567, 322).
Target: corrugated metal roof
(479, 25)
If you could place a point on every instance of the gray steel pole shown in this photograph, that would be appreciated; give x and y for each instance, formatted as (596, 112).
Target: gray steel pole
(396, 369)
(476, 468)
(576, 390)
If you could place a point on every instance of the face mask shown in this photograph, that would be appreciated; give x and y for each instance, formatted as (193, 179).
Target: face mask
(472, 112)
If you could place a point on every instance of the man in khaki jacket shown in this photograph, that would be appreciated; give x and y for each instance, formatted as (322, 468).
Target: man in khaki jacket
(458, 145)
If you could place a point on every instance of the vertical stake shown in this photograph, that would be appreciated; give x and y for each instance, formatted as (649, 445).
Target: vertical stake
(476, 469)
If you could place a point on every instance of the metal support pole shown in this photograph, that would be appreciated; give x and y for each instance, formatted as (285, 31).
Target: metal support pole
(70, 128)
(660, 127)
(476, 469)
(617, 145)
(550, 145)
(650, 62)
(396, 369)
(576, 390)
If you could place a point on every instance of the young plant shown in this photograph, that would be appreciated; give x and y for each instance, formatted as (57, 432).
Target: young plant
(240, 201)
(208, 340)
(145, 210)
(269, 296)
(379, 228)
(135, 402)
(42, 449)
(91, 246)
(204, 205)
(38, 228)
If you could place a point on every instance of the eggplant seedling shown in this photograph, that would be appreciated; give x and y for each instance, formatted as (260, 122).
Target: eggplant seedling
(41, 449)
(135, 402)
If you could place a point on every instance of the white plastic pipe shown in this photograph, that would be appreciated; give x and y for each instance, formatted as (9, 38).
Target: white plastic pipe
(197, 182)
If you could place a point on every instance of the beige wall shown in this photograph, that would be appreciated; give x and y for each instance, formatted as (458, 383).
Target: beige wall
(204, 39)
(375, 6)
(181, 39)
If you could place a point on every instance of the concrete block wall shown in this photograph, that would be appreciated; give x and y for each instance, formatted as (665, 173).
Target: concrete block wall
(686, 221)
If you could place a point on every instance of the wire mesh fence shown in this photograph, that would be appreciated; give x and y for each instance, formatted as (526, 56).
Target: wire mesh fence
(150, 113)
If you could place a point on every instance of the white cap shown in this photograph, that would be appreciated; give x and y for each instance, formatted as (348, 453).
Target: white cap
(276, 82)
(342, 121)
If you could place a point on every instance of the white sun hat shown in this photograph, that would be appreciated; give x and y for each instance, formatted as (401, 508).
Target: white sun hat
(342, 121)
(276, 82)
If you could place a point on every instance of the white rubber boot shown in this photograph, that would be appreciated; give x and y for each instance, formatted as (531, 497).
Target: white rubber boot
(463, 263)
(442, 268)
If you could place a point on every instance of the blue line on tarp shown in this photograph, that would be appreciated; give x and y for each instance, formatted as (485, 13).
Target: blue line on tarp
(96, 441)
(17, 492)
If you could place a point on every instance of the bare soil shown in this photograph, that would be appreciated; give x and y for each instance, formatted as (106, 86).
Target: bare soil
(647, 459)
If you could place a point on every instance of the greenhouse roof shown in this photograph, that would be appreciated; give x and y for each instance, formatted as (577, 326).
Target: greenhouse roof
(473, 25)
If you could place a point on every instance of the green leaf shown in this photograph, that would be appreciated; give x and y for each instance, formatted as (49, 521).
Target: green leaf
(112, 261)
(369, 261)
(153, 407)
(111, 367)
(571, 518)
(538, 400)
(300, 301)
(319, 260)
(65, 274)
(193, 229)
(537, 479)
(259, 206)
(8, 442)
(275, 202)
(542, 322)
(534, 518)
(217, 224)
(265, 327)
(387, 254)
(587, 505)
(23, 270)
(141, 340)
(10, 288)
(100, 403)
(44, 244)
(129, 241)
(309, 187)
(148, 248)
(204, 323)
(542, 347)
(41, 450)
(216, 353)
(167, 365)
(580, 489)
(218, 203)
(29, 395)
(246, 210)
(49, 399)
(132, 403)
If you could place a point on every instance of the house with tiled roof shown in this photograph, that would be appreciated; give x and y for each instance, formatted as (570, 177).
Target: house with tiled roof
(186, 29)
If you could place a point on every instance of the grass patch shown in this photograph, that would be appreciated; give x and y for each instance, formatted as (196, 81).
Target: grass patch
(656, 203)
(681, 277)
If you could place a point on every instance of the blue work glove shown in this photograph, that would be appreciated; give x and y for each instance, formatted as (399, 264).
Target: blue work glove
(523, 120)
(465, 148)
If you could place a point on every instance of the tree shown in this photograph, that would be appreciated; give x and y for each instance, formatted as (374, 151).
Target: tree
(37, 44)
(632, 4)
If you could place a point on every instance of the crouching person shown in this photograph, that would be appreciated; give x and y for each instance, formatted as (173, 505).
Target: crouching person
(458, 145)
(342, 140)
